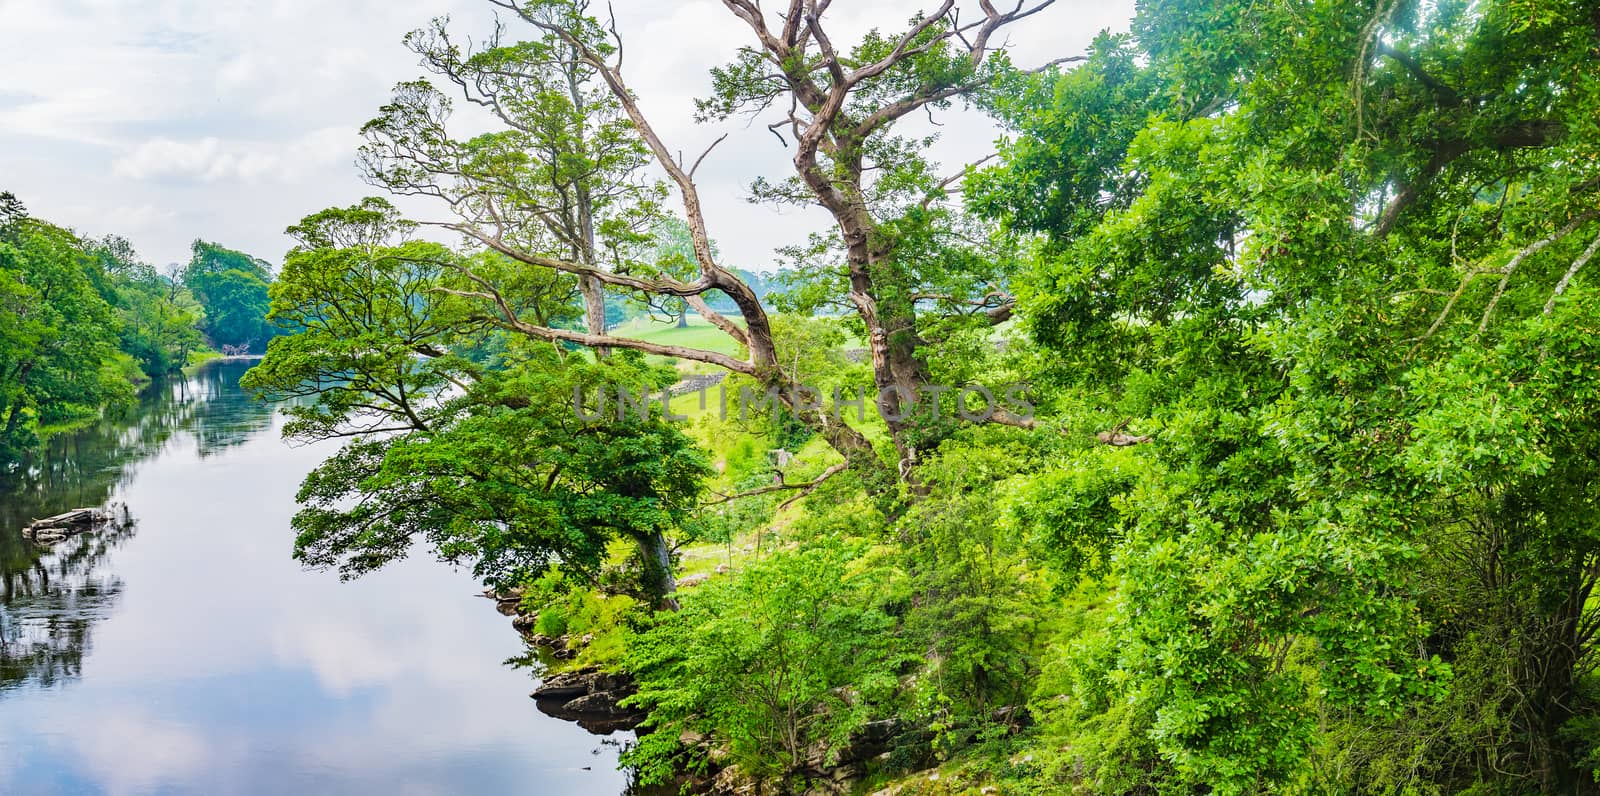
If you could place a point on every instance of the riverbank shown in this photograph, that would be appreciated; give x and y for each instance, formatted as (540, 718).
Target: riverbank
(580, 643)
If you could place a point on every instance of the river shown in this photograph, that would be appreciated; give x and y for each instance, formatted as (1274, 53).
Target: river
(190, 654)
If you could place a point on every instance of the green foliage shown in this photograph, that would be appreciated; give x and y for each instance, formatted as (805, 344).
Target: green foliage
(159, 317)
(1285, 245)
(977, 608)
(780, 662)
(492, 464)
(81, 323)
(1311, 315)
(231, 286)
(59, 334)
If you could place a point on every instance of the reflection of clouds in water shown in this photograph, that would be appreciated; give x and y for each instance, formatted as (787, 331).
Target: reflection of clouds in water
(51, 599)
(10, 762)
(342, 658)
(128, 752)
(434, 685)
(224, 668)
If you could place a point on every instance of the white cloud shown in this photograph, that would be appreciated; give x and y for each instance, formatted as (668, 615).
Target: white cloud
(236, 119)
(211, 159)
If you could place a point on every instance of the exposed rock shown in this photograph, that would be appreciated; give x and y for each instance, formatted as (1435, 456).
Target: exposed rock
(1015, 717)
(693, 580)
(507, 602)
(555, 643)
(566, 685)
(591, 698)
(601, 704)
(691, 384)
(732, 781)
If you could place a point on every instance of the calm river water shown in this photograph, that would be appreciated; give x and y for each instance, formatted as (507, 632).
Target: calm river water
(191, 654)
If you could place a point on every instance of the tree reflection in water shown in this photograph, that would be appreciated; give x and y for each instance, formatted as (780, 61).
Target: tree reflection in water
(50, 598)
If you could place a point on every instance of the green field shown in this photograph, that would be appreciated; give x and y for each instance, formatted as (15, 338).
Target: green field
(698, 334)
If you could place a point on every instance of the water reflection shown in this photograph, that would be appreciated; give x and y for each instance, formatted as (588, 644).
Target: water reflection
(51, 597)
(190, 654)
(48, 608)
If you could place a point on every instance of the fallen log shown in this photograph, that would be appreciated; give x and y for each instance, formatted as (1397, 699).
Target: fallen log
(51, 530)
(77, 517)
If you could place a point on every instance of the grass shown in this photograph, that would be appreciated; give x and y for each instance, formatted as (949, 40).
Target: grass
(728, 442)
(699, 333)
(200, 357)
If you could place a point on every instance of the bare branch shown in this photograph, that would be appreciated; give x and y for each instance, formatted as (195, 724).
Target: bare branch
(662, 287)
(1006, 418)
(942, 190)
(697, 161)
(806, 486)
(1511, 267)
(1578, 264)
(994, 20)
(1118, 439)
(1506, 272)
(508, 319)
(903, 49)
(718, 320)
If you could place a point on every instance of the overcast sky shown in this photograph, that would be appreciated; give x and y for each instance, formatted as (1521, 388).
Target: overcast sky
(169, 120)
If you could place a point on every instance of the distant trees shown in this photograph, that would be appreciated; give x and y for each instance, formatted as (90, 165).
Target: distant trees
(82, 320)
(231, 287)
(159, 317)
(58, 334)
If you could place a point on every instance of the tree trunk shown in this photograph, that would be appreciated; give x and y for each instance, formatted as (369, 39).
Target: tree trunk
(656, 577)
(892, 337)
(594, 295)
(594, 311)
(1551, 665)
(13, 418)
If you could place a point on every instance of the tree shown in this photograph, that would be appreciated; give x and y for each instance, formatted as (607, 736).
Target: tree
(12, 211)
(786, 662)
(81, 319)
(486, 462)
(232, 288)
(58, 333)
(843, 106)
(1329, 264)
(562, 179)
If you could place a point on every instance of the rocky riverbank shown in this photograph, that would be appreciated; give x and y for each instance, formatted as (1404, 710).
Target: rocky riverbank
(592, 698)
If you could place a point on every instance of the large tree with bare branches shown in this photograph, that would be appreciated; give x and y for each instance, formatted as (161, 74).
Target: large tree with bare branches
(836, 107)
